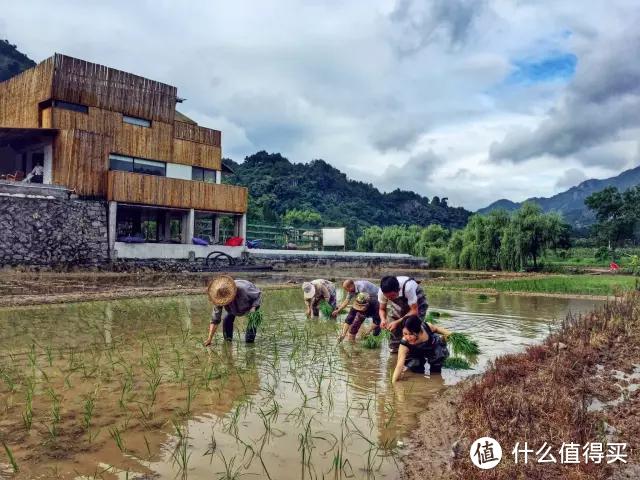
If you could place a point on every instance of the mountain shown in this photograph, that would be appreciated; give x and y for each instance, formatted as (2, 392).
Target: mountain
(12, 62)
(277, 185)
(571, 203)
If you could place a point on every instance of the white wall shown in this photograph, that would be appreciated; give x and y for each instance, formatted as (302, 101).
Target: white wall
(175, 170)
(170, 250)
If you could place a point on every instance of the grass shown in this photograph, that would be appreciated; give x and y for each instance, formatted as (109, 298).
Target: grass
(602, 285)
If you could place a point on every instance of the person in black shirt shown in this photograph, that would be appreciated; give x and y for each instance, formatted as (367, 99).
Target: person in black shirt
(421, 342)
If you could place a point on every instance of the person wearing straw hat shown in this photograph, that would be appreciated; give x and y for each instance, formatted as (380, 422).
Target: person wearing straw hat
(237, 297)
(315, 291)
(364, 305)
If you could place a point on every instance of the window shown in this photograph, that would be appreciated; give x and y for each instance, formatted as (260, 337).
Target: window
(76, 107)
(203, 174)
(141, 122)
(149, 167)
(138, 165)
(118, 162)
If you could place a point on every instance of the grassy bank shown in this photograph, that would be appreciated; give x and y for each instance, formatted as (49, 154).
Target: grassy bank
(565, 284)
(578, 386)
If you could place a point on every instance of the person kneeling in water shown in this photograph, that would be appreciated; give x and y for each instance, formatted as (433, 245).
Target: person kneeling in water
(421, 343)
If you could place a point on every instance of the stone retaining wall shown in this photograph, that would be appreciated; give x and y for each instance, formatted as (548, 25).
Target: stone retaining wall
(52, 232)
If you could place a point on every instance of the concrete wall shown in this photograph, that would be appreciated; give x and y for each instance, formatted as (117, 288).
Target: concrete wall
(50, 232)
(144, 251)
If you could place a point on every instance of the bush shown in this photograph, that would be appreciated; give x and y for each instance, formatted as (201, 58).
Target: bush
(603, 253)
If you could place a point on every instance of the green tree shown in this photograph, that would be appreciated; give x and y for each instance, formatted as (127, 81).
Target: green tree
(302, 218)
(615, 220)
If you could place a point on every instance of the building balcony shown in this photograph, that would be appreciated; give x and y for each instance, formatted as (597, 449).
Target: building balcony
(136, 188)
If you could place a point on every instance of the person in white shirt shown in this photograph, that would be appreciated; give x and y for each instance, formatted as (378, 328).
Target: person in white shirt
(407, 299)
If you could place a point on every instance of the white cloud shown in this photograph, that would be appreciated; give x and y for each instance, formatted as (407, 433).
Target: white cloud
(374, 86)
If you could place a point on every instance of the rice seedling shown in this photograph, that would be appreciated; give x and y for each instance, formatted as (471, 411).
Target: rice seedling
(254, 319)
(9, 380)
(87, 411)
(12, 459)
(462, 344)
(27, 415)
(153, 383)
(371, 341)
(32, 356)
(483, 297)
(231, 472)
(117, 438)
(456, 363)
(181, 454)
(325, 308)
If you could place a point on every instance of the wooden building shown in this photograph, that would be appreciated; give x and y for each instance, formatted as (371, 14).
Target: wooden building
(107, 134)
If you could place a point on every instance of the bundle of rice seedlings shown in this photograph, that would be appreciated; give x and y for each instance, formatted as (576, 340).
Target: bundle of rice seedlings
(462, 344)
(456, 363)
(325, 308)
(371, 341)
(254, 319)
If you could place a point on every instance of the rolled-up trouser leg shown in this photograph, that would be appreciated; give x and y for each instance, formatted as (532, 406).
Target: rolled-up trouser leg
(227, 326)
(315, 310)
(358, 320)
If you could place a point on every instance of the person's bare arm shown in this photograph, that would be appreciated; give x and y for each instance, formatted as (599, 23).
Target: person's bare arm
(413, 310)
(402, 356)
(216, 318)
(212, 331)
(340, 307)
(382, 311)
(438, 329)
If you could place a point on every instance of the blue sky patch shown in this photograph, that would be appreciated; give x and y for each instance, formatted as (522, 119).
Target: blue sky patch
(559, 66)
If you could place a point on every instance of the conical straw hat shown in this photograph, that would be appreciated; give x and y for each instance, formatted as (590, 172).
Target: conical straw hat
(222, 290)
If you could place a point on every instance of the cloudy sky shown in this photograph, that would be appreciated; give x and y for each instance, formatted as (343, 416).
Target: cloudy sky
(472, 100)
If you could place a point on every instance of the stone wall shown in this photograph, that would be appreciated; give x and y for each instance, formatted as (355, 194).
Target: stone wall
(52, 232)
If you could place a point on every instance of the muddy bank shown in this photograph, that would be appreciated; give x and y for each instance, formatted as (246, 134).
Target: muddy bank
(580, 385)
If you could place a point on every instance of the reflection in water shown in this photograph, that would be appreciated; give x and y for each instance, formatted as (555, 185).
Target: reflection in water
(294, 404)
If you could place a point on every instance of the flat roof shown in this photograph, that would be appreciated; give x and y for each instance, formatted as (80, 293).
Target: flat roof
(11, 135)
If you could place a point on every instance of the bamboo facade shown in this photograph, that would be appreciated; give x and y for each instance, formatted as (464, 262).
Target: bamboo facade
(21, 95)
(198, 154)
(142, 189)
(81, 161)
(155, 142)
(86, 83)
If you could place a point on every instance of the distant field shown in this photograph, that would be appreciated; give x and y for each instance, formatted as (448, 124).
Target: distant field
(568, 284)
(586, 257)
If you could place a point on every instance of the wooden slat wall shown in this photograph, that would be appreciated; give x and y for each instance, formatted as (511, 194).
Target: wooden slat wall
(20, 96)
(170, 192)
(153, 142)
(95, 85)
(47, 117)
(194, 133)
(198, 154)
(80, 161)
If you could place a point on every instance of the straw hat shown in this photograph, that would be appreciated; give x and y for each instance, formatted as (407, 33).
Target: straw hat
(361, 302)
(309, 290)
(222, 290)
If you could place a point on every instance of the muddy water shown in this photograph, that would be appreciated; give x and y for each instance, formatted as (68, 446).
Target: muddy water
(125, 389)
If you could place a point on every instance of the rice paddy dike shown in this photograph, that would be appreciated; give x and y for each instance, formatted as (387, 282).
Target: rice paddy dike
(125, 389)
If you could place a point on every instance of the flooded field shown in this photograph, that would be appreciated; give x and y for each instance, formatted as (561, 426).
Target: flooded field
(125, 389)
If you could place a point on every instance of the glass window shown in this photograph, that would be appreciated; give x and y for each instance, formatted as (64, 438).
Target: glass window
(120, 162)
(149, 167)
(141, 122)
(203, 174)
(197, 173)
(209, 175)
(76, 107)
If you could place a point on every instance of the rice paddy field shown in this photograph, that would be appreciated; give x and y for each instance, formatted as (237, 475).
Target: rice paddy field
(598, 285)
(124, 389)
